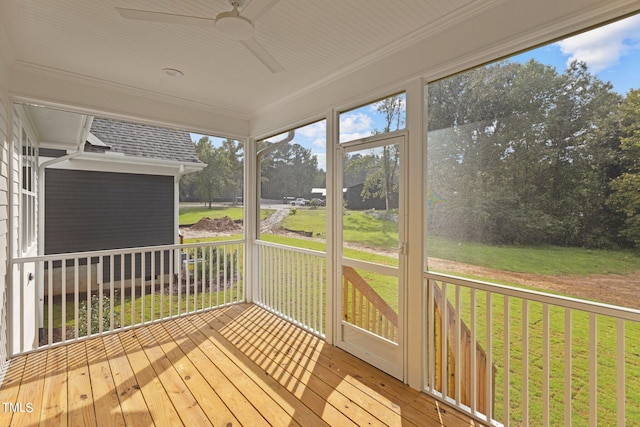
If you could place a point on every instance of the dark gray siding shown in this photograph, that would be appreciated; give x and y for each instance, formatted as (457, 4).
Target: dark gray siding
(87, 211)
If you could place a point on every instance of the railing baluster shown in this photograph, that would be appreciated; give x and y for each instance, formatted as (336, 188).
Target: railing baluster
(203, 279)
(488, 398)
(153, 286)
(506, 387)
(162, 284)
(133, 288)
(431, 350)
(444, 348)
(76, 296)
(546, 360)
(50, 324)
(621, 379)
(173, 278)
(457, 370)
(567, 367)
(210, 281)
(88, 297)
(226, 278)
(525, 362)
(122, 288)
(218, 276)
(112, 320)
(473, 395)
(593, 370)
(63, 297)
(143, 285)
(197, 269)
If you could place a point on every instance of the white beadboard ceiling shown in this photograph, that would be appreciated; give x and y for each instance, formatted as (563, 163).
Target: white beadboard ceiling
(312, 39)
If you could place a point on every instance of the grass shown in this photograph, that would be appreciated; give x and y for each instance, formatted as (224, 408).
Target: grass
(550, 260)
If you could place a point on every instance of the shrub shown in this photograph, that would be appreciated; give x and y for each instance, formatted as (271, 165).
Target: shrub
(96, 316)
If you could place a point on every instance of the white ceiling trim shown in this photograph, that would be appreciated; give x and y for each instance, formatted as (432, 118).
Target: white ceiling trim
(46, 87)
(447, 21)
(106, 84)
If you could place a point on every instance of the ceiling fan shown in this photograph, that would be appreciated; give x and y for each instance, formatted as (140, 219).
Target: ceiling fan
(231, 23)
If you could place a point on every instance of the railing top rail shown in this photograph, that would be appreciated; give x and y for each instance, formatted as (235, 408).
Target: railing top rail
(624, 313)
(107, 252)
(291, 248)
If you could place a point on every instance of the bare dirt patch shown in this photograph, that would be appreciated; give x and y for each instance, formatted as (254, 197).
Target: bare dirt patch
(617, 289)
(208, 227)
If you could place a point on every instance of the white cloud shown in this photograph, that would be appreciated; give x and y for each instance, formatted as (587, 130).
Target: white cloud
(604, 46)
(314, 130)
(344, 137)
(355, 122)
(320, 142)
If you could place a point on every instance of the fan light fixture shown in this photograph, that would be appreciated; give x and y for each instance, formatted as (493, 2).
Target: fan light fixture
(173, 72)
(233, 25)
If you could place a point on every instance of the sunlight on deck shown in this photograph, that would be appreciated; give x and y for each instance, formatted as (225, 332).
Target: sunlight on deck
(238, 365)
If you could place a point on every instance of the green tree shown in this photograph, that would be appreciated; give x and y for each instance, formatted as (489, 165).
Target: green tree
(626, 187)
(289, 170)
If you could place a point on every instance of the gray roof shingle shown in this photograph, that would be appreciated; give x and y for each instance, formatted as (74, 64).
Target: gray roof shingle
(138, 140)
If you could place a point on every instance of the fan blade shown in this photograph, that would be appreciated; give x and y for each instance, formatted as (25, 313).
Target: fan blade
(262, 55)
(256, 8)
(170, 18)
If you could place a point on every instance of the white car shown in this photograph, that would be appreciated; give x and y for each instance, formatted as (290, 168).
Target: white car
(300, 201)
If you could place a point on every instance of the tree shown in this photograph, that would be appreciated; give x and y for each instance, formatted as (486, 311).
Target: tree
(381, 179)
(289, 170)
(518, 153)
(626, 194)
(235, 154)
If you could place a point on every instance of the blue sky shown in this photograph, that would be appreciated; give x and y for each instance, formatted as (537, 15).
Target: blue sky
(612, 52)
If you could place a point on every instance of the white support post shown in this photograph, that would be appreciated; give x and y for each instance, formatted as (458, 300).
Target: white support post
(334, 204)
(415, 329)
(251, 222)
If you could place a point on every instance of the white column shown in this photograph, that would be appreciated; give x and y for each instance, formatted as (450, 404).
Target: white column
(415, 162)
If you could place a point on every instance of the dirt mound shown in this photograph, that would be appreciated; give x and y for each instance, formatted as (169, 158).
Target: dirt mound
(216, 225)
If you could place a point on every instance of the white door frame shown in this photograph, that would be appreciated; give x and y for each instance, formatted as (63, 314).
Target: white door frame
(381, 353)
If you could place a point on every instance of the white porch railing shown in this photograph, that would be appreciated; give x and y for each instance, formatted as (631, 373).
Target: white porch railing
(79, 295)
(553, 360)
(292, 284)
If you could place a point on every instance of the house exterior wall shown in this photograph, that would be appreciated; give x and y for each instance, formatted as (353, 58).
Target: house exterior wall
(4, 208)
(86, 210)
(23, 293)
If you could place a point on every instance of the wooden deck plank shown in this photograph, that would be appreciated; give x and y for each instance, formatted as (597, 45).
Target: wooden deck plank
(294, 349)
(31, 390)
(80, 397)
(275, 404)
(239, 365)
(239, 404)
(162, 409)
(10, 388)
(186, 405)
(299, 379)
(134, 408)
(379, 385)
(206, 396)
(54, 408)
(105, 396)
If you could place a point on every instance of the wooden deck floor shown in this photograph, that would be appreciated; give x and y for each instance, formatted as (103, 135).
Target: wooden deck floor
(234, 366)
